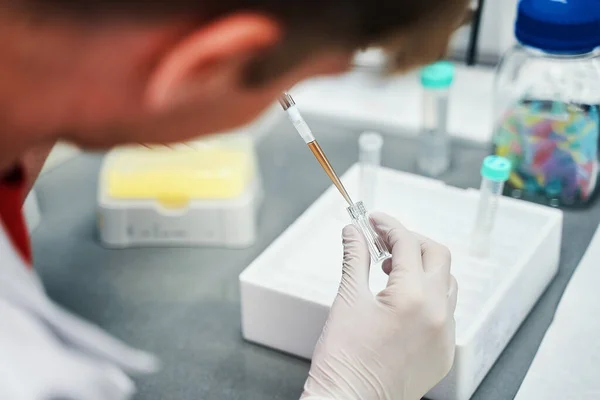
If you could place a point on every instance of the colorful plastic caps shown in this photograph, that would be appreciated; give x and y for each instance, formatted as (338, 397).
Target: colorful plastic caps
(553, 148)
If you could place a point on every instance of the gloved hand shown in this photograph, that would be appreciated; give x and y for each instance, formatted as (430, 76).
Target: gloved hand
(398, 344)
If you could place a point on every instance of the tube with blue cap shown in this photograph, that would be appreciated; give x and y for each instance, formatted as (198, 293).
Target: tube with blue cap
(495, 171)
(434, 149)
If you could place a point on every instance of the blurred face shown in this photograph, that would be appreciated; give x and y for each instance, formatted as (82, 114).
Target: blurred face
(112, 83)
(101, 84)
(197, 86)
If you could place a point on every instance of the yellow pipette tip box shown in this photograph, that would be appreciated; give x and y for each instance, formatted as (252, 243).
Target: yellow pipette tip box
(200, 193)
(199, 172)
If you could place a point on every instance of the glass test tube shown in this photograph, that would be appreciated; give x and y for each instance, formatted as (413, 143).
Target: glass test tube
(369, 156)
(434, 142)
(360, 219)
(495, 171)
(357, 211)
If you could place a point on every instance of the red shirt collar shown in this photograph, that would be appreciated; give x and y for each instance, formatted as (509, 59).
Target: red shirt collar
(12, 196)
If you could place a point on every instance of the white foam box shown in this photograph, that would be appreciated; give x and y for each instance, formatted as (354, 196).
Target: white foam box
(287, 291)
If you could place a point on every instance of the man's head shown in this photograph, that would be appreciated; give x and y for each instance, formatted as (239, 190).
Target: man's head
(105, 72)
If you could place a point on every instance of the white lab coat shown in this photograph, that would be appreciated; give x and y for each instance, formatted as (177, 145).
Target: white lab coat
(46, 353)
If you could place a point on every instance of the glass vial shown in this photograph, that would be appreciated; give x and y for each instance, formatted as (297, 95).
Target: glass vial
(360, 219)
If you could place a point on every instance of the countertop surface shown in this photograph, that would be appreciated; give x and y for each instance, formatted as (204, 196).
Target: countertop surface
(183, 303)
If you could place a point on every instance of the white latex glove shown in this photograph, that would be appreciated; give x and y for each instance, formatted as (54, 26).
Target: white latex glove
(398, 344)
(47, 353)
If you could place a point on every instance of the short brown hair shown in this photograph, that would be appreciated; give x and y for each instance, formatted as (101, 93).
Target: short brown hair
(415, 31)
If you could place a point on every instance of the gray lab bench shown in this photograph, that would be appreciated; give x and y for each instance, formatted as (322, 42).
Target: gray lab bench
(183, 304)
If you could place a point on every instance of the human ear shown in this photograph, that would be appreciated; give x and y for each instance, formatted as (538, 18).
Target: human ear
(209, 61)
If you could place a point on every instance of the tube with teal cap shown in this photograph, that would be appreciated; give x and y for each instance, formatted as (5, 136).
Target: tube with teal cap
(434, 149)
(495, 171)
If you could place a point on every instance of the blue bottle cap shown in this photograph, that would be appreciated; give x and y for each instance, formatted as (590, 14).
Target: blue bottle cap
(439, 75)
(559, 26)
(496, 168)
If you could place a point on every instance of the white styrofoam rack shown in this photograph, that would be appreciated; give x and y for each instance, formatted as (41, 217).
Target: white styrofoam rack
(287, 291)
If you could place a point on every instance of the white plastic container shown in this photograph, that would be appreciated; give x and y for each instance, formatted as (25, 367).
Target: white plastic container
(204, 193)
(287, 291)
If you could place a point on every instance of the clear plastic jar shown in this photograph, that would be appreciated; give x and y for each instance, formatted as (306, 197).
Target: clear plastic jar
(547, 98)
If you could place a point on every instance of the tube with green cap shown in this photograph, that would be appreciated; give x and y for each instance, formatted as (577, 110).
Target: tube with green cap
(434, 152)
(495, 171)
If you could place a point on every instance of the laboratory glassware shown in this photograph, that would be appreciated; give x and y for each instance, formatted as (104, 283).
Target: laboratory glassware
(360, 219)
(357, 211)
(547, 92)
(495, 171)
(369, 157)
(434, 141)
